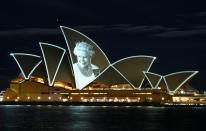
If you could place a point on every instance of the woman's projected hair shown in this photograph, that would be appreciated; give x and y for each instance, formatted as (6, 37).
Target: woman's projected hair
(83, 46)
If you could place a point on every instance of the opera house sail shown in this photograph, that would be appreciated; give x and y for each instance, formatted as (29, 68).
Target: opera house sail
(83, 73)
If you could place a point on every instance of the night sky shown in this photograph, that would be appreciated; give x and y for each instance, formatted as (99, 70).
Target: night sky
(174, 32)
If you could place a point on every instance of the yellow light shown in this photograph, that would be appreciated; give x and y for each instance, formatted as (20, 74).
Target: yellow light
(75, 93)
(64, 100)
(58, 85)
(95, 93)
(110, 100)
(49, 98)
(60, 98)
(18, 97)
(40, 80)
(128, 100)
(28, 97)
(7, 97)
(38, 97)
(63, 85)
(1, 99)
(143, 93)
(64, 93)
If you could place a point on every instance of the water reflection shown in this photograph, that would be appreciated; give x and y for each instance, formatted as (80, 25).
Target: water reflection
(100, 118)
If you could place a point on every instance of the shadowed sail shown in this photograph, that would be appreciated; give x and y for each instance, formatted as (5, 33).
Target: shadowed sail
(27, 63)
(40, 72)
(53, 56)
(132, 68)
(154, 79)
(175, 80)
(111, 77)
(65, 73)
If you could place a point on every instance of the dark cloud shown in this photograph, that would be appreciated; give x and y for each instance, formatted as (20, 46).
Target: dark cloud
(200, 13)
(181, 33)
(154, 30)
(199, 27)
(30, 32)
(124, 28)
(194, 14)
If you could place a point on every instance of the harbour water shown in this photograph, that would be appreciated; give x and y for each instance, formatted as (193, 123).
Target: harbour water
(101, 118)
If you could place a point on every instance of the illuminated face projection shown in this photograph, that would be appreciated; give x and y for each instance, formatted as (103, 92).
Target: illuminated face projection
(84, 70)
(88, 60)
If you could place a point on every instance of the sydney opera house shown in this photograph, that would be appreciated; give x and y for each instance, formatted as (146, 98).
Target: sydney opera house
(83, 73)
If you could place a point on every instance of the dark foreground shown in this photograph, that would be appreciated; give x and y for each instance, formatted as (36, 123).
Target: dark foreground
(101, 118)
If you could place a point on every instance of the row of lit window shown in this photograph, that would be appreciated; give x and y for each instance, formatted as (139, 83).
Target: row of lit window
(116, 99)
(186, 99)
(38, 97)
(127, 99)
(103, 93)
(143, 93)
(110, 100)
(88, 93)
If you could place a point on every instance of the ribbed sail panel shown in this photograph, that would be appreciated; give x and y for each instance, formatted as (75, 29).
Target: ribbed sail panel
(175, 80)
(53, 56)
(27, 63)
(132, 68)
(65, 73)
(153, 79)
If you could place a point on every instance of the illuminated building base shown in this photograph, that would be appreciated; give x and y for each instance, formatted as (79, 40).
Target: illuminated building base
(37, 91)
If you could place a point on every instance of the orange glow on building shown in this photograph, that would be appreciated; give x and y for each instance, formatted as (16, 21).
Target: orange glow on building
(40, 80)
(63, 85)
